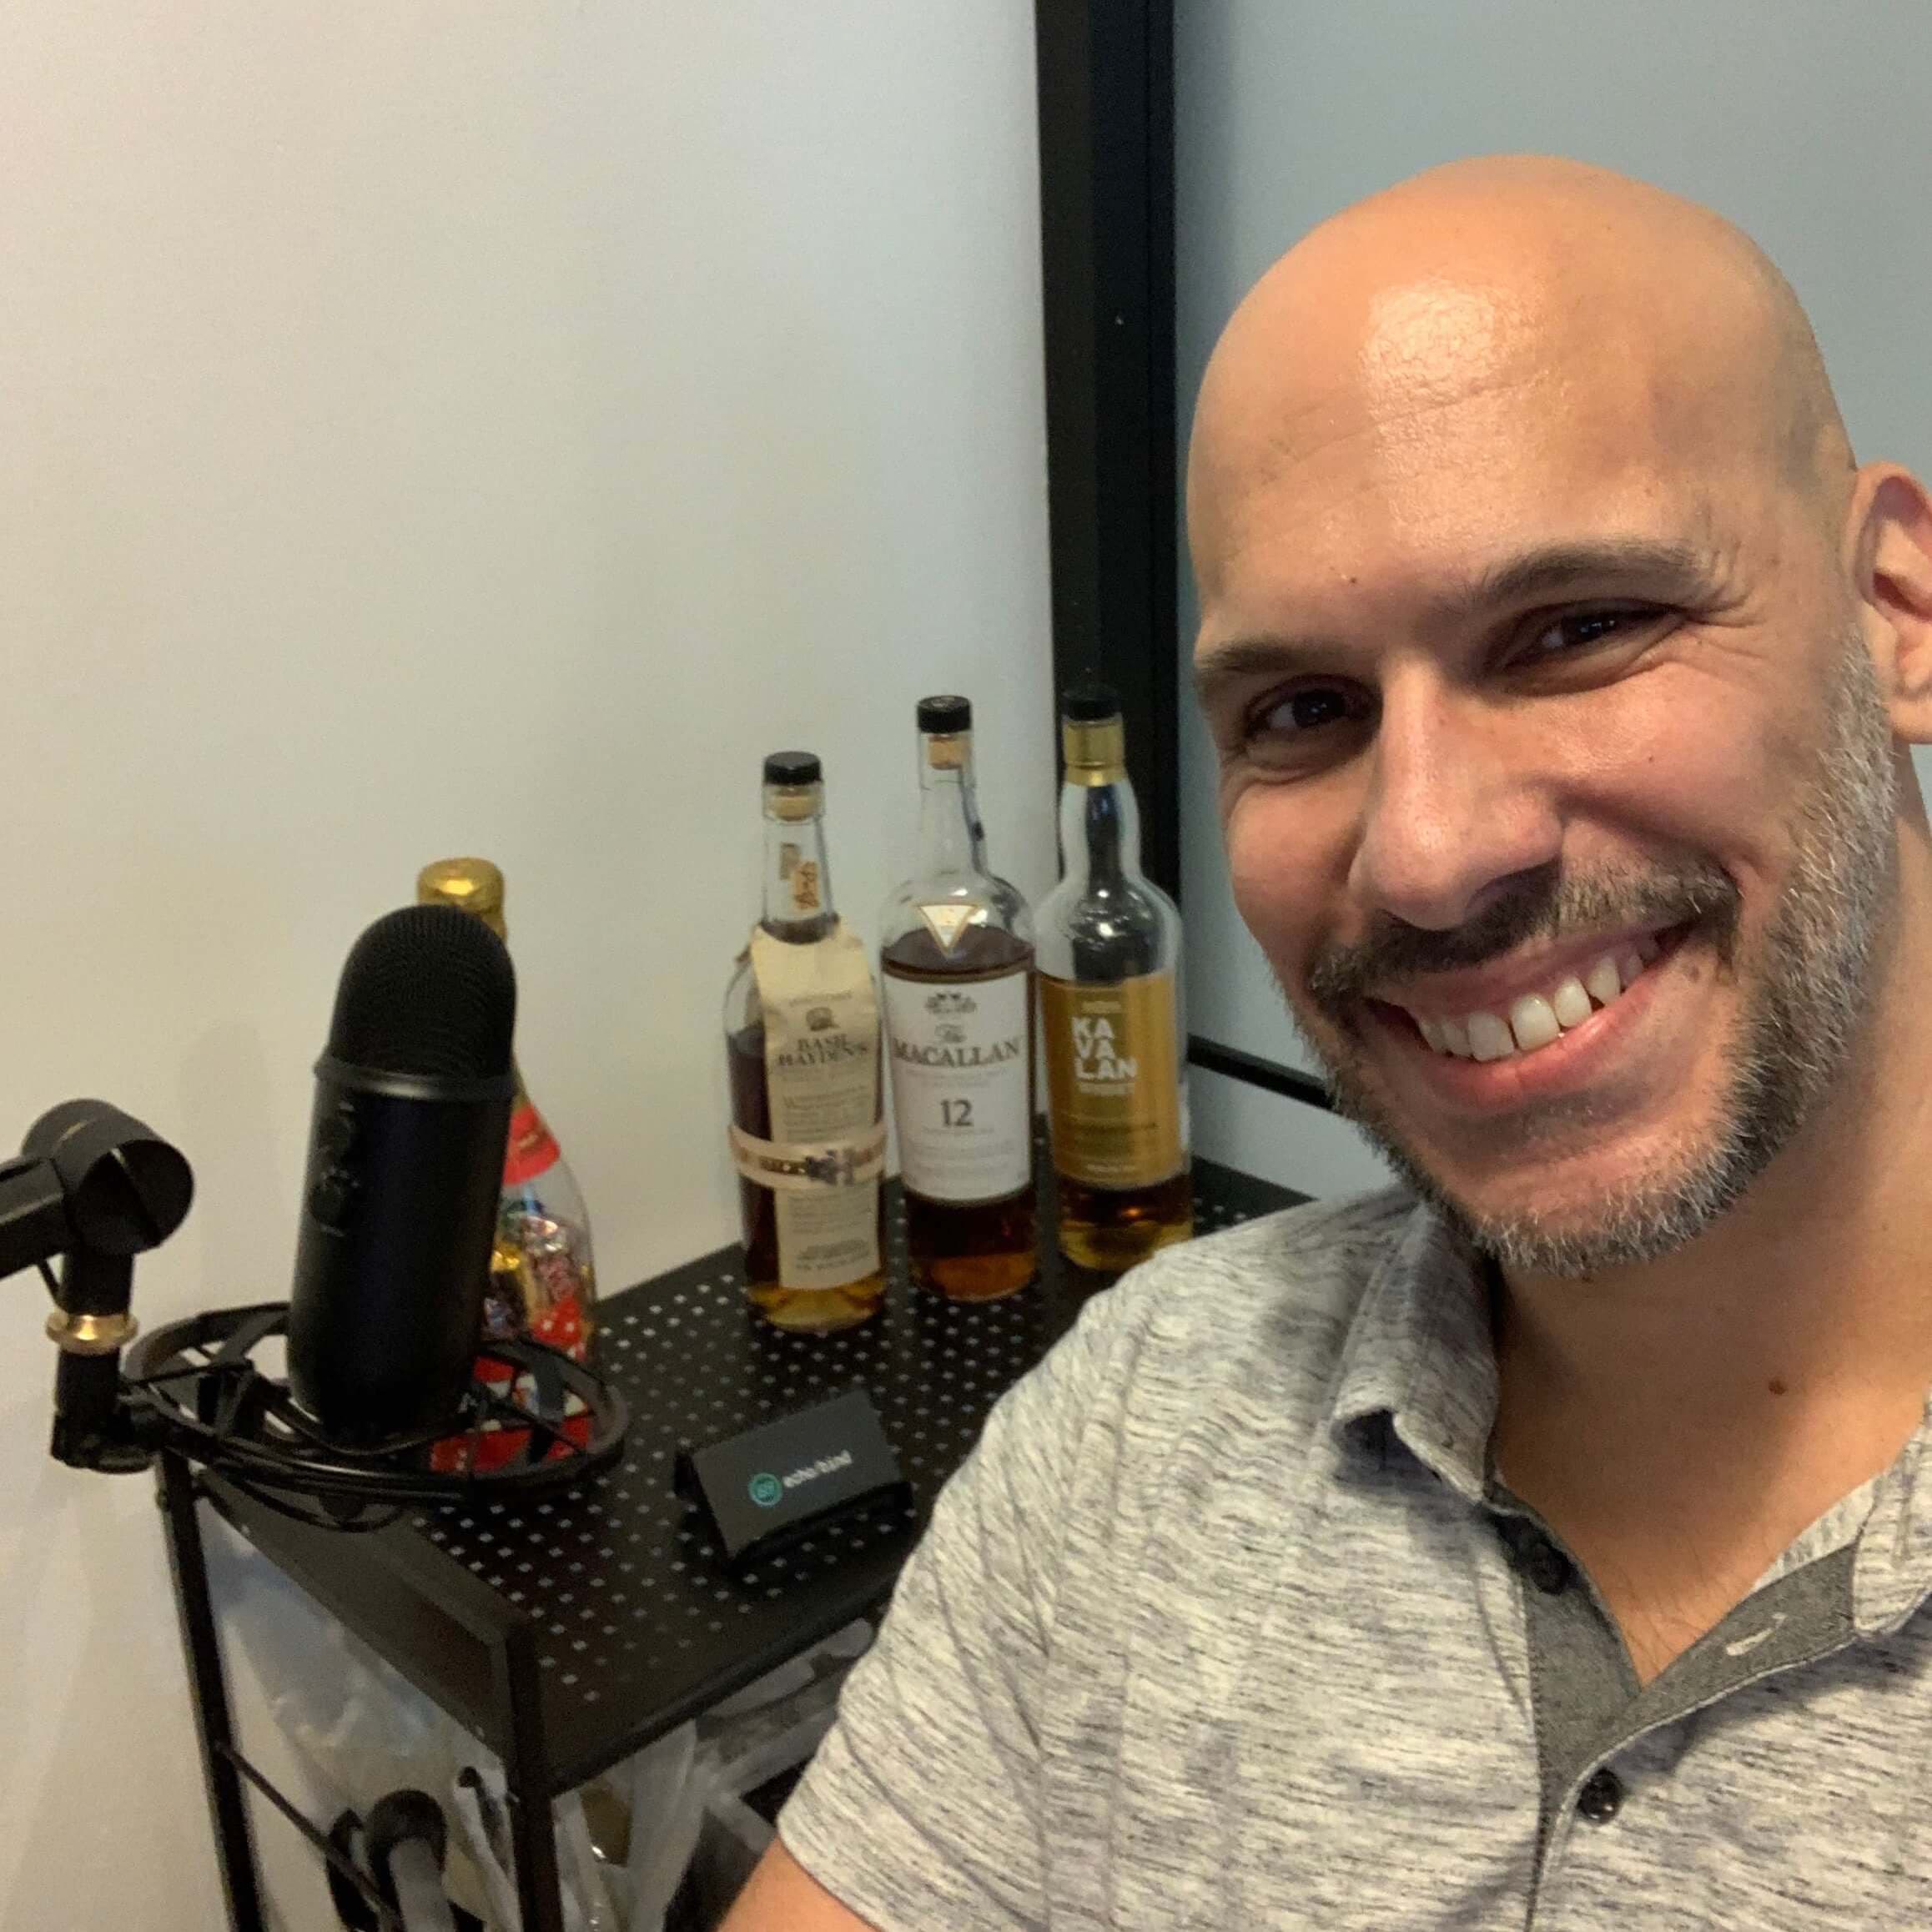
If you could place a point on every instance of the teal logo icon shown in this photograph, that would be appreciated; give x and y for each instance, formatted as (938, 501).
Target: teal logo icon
(766, 1490)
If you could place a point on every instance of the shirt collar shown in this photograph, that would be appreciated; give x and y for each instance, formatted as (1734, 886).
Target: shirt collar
(1419, 1352)
(1892, 1575)
(1420, 1356)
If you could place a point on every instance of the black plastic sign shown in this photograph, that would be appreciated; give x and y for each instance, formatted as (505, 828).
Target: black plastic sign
(771, 1486)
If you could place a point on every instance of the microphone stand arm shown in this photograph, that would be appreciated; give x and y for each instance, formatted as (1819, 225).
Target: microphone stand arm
(92, 1187)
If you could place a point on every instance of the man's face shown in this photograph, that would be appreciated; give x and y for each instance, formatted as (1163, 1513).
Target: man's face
(1555, 782)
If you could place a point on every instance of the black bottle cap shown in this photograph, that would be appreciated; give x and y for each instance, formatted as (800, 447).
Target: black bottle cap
(945, 714)
(1090, 703)
(794, 768)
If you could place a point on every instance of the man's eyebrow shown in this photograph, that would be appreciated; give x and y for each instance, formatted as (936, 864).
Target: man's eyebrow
(1664, 567)
(1224, 664)
(1685, 569)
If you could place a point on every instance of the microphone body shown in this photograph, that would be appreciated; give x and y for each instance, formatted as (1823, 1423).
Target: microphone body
(398, 1214)
(406, 1165)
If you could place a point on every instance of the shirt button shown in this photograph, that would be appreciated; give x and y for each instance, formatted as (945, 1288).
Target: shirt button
(1602, 1797)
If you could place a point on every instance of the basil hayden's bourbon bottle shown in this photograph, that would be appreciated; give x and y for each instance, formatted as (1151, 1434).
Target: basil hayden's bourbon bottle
(802, 1038)
(1108, 953)
(956, 975)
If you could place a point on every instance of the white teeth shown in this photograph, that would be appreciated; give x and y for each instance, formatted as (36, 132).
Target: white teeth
(1604, 980)
(1571, 1003)
(1533, 1020)
(1537, 1019)
(1489, 1038)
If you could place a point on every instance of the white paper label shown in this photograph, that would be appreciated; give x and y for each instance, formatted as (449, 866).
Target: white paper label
(822, 1074)
(962, 1083)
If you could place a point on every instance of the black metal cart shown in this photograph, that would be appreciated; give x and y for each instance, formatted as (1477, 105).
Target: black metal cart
(568, 1632)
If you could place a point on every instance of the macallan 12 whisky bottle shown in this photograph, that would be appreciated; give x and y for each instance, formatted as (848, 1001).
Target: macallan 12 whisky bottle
(802, 1039)
(955, 971)
(1109, 944)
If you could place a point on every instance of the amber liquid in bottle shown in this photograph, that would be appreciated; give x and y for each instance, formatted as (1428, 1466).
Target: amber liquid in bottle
(970, 1251)
(1110, 1229)
(812, 1311)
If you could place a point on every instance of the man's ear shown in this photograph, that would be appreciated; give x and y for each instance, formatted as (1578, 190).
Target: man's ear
(1890, 532)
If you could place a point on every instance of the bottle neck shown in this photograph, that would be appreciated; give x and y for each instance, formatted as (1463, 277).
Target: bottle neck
(1099, 829)
(950, 840)
(797, 882)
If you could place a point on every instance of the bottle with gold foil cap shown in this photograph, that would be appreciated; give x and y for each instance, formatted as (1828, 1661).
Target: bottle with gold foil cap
(1109, 954)
(542, 1277)
(471, 885)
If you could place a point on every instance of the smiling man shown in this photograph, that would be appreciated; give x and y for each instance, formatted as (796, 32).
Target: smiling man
(1544, 1542)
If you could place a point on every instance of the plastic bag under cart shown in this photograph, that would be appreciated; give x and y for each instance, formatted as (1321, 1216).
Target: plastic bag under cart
(652, 1845)
(664, 1841)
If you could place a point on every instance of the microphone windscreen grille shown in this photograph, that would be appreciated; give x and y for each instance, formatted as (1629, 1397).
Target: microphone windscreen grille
(427, 990)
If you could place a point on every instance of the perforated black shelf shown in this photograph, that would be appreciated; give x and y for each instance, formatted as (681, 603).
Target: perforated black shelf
(633, 1623)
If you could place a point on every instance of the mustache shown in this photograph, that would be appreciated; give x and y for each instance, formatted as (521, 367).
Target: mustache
(1548, 905)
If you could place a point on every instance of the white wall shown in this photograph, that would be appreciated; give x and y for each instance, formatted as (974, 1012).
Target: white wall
(1805, 124)
(458, 425)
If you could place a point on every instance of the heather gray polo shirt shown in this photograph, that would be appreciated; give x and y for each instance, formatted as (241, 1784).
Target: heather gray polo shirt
(1225, 1625)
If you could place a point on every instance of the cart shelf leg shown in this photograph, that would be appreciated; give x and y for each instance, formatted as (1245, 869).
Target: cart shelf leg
(240, 1877)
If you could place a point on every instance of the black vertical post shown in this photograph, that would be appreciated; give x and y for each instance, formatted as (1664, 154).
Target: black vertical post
(240, 1879)
(1106, 186)
(519, 1699)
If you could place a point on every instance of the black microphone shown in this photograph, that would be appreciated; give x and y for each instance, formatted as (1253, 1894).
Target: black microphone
(406, 1164)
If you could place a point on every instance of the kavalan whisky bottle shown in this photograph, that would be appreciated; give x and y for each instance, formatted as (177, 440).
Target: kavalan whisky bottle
(542, 1280)
(802, 1038)
(956, 976)
(1109, 954)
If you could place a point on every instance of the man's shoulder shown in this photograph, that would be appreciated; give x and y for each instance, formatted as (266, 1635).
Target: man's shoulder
(1267, 1305)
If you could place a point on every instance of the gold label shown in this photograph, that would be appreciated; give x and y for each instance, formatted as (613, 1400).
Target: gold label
(822, 1072)
(1113, 1080)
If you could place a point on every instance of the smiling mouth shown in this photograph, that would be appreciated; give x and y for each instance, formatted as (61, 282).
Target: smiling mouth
(1539, 1018)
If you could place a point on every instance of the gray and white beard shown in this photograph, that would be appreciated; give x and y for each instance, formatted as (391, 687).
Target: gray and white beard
(1804, 1017)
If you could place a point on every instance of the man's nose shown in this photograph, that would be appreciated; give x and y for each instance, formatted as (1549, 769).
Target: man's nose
(1457, 807)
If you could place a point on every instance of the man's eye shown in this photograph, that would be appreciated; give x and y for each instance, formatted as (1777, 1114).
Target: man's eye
(1306, 727)
(1578, 630)
(1305, 710)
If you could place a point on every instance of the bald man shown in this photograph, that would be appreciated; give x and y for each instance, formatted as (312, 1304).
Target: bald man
(1546, 1542)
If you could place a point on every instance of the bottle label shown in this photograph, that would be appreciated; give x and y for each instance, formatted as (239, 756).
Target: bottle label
(1113, 1056)
(533, 1149)
(948, 920)
(821, 1074)
(962, 1082)
(802, 880)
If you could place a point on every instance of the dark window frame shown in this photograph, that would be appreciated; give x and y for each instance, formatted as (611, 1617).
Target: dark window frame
(1105, 73)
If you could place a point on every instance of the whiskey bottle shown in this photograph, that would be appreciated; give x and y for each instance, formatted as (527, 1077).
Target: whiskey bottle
(542, 1278)
(956, 977)
(802, 1037)
(1109, 946)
